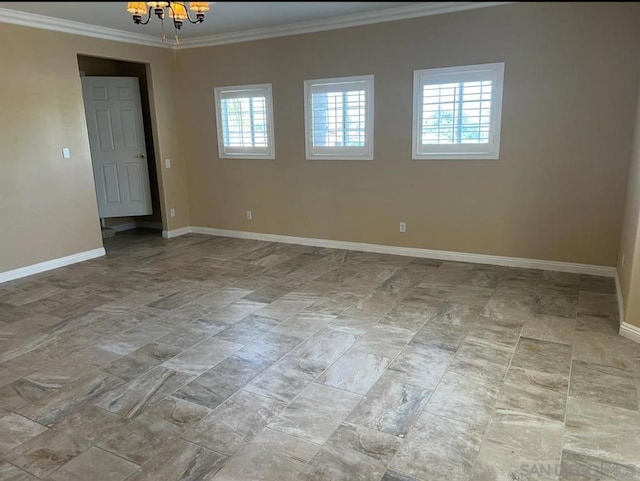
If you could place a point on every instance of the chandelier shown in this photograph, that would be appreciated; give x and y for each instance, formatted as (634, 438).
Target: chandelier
(177, 11)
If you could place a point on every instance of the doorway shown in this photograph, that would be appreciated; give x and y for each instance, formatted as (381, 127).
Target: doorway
(108, 74)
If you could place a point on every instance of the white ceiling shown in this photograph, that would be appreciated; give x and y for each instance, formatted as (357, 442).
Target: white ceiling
(224, 17)
(226, 22)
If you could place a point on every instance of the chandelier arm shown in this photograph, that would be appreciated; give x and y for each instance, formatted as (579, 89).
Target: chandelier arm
(197, 20)
(148, 18)
(173, 15)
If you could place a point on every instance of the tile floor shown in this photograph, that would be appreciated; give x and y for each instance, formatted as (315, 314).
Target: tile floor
(206, 358)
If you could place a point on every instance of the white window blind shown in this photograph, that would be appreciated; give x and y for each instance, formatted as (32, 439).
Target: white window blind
(457, 112)
(339, 118)
(245, 121)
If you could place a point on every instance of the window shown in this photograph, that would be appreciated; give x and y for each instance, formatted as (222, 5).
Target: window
(245, 122)
(457, 112)
(339, 118)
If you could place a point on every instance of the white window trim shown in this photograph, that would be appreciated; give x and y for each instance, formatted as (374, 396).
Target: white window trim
(340, 153)
(491, 151)
(222, 152)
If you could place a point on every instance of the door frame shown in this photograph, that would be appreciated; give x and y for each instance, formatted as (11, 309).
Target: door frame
(154, 163)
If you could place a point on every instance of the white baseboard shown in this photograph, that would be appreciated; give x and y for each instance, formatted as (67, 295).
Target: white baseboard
(50, 265)
(626, 330)
(170, 234)
(630, 331)
(411, 251)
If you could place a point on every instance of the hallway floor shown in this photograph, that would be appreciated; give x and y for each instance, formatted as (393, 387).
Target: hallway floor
(208, 358)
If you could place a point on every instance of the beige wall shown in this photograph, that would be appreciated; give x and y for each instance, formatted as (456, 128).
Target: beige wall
(629, 272)
(556, 193)
(48, 204)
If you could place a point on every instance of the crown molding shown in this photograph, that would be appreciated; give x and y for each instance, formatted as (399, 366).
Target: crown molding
(386, 15)
(67, 26)
(354, 20)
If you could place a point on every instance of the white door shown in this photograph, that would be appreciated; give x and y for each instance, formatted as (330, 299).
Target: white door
(116, 134)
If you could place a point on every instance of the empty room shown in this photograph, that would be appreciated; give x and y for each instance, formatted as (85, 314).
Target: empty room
(319, 241)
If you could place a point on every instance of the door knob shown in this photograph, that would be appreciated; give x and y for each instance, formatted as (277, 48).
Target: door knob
(141, 156)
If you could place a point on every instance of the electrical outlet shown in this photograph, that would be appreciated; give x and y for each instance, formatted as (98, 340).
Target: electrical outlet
(167, 163)
(249, 215)
(403, 227)
(172, 212)
(66, 153)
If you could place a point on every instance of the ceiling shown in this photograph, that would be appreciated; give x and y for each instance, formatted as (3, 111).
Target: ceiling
(224, 17)
(225, 21)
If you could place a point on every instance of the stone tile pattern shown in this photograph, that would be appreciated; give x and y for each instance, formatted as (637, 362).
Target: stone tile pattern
(209, 358)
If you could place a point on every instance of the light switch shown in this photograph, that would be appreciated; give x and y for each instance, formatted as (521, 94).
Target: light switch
(66, 154)
(167, 163)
